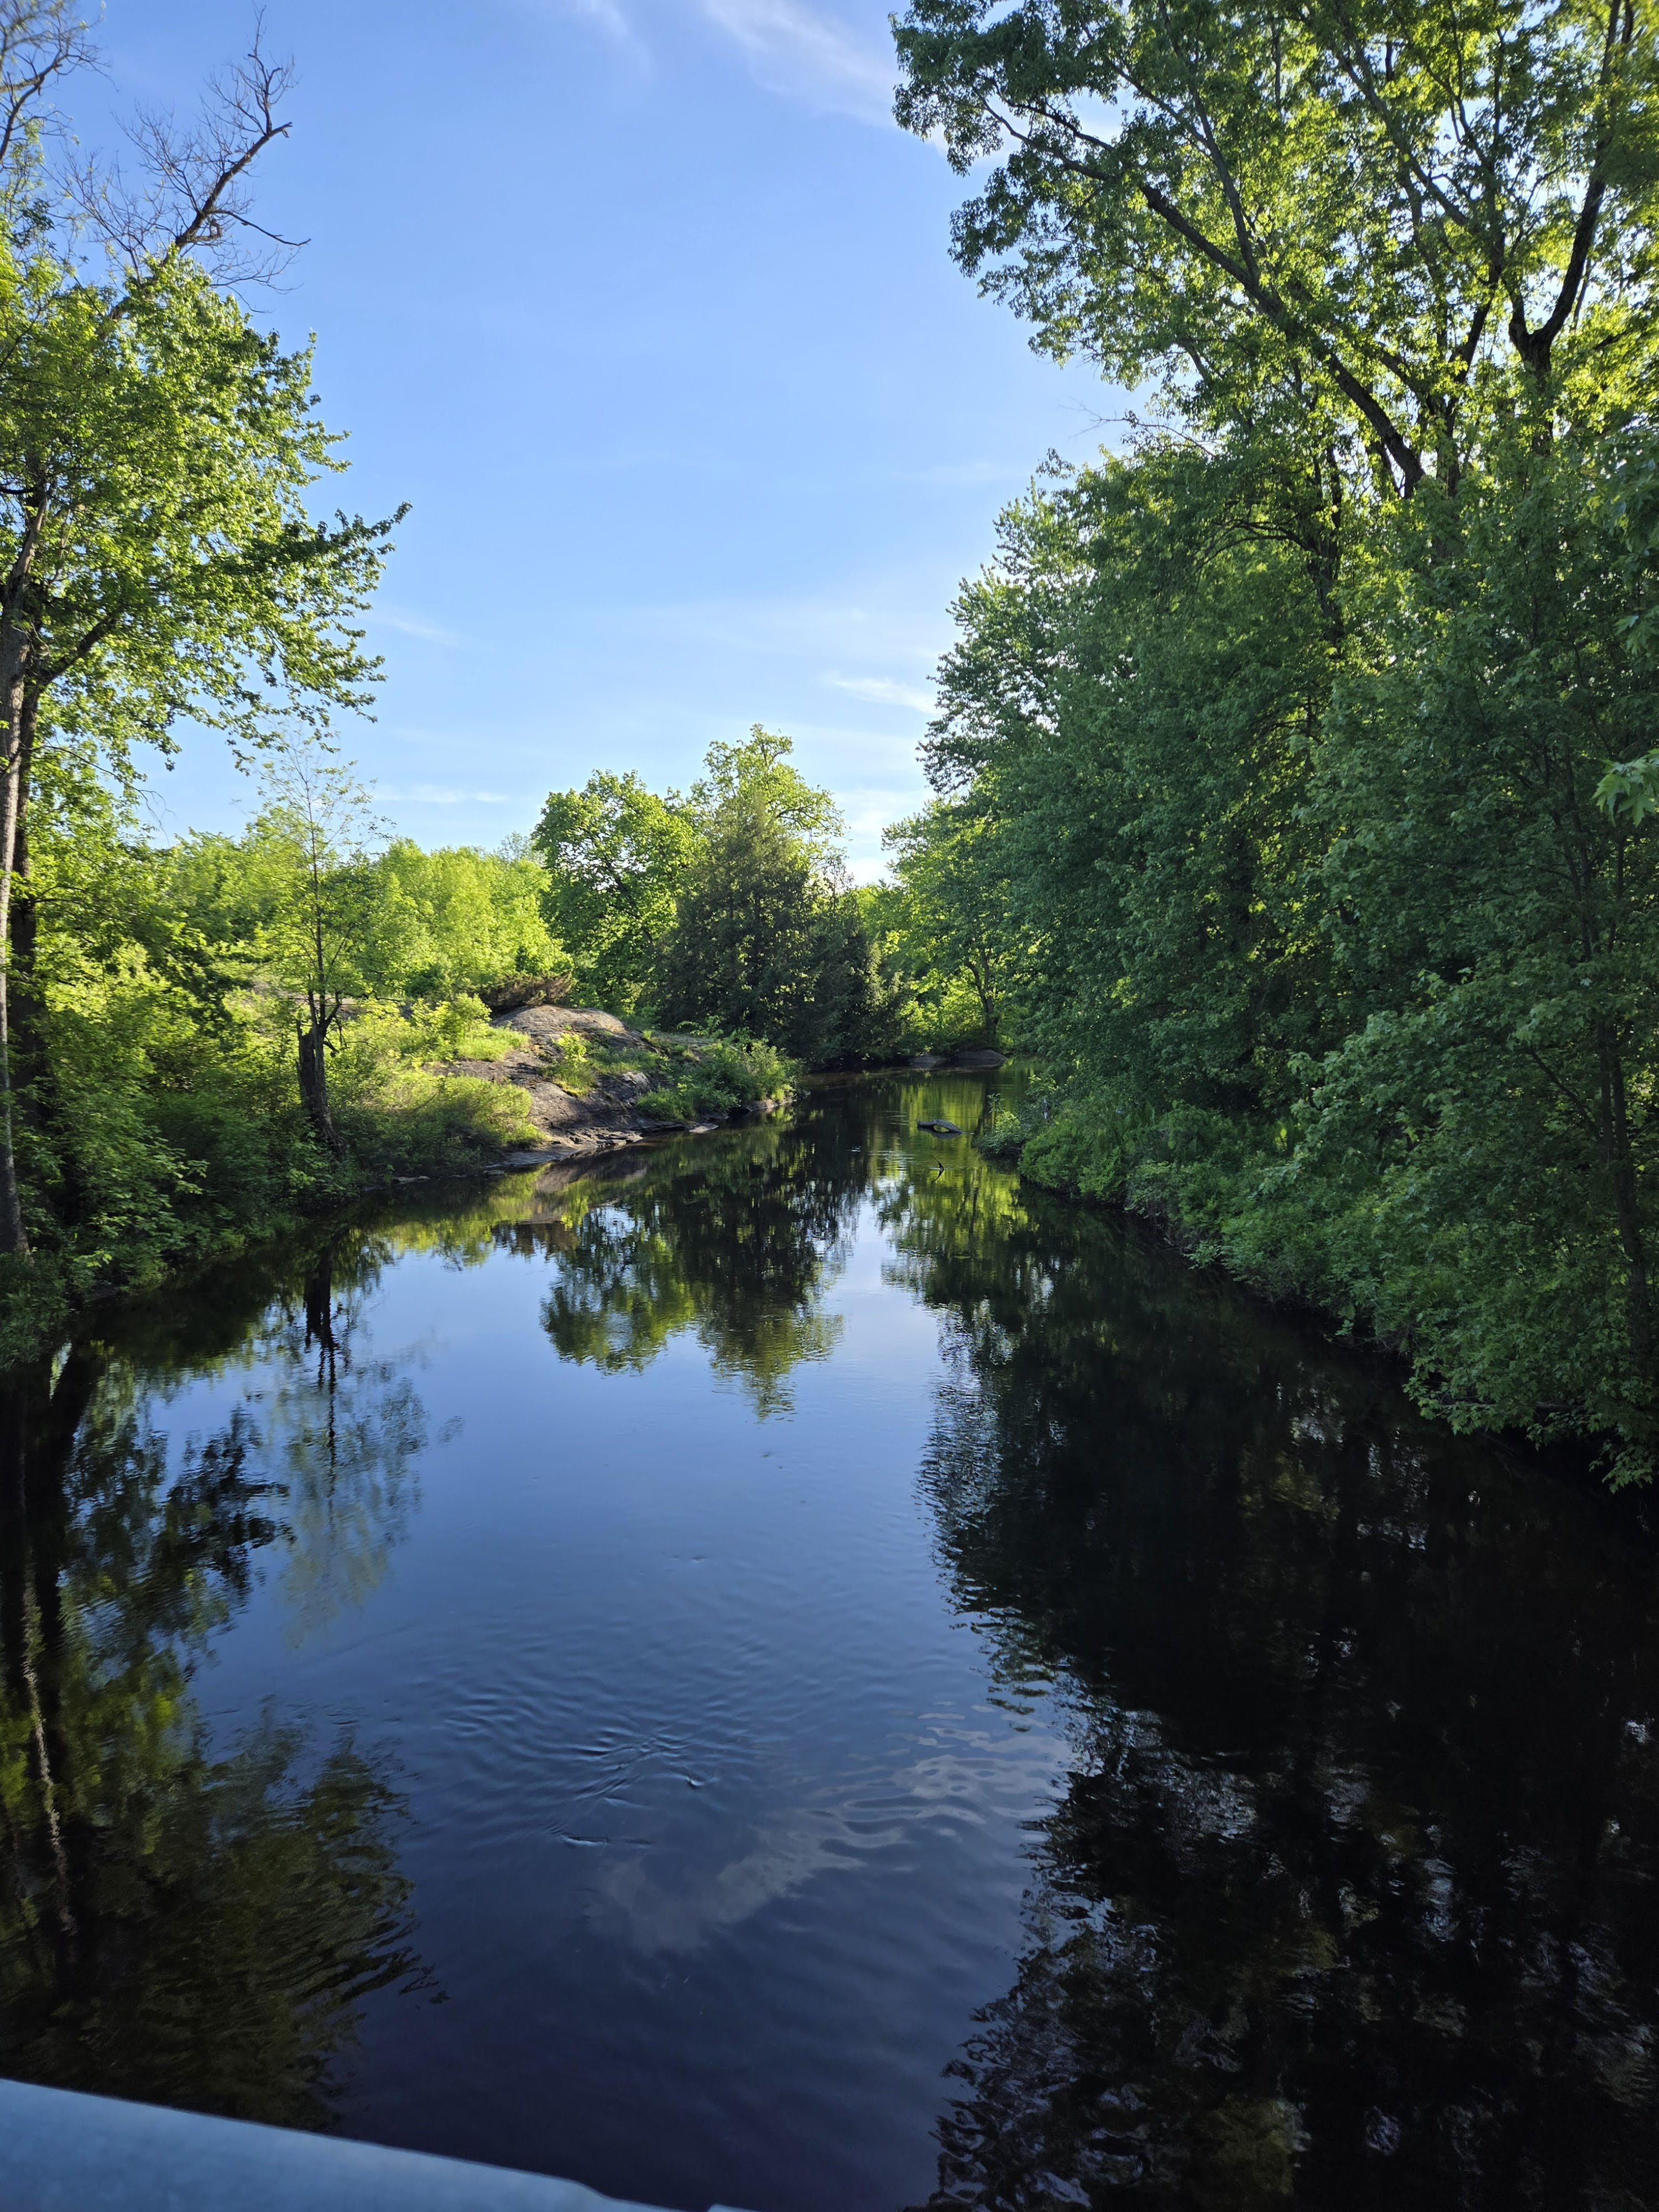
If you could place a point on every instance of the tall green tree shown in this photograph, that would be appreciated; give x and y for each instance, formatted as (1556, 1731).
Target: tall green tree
(158, 554)
(954, 914)
(767, 939)
(759, 775)
(743, 951)
(614, 854)
(1373, 228)
(1484, 1132)
(315, 838)
(1126, 720)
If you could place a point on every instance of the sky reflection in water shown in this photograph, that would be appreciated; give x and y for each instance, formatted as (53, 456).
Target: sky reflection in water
(798, 1670)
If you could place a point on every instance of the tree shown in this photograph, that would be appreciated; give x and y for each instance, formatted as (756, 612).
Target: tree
(1124, 731)
(317, 832)
(1483, 1131)
(955, 921)
(614, 854)
(1362, 225)
(760, 775)
(742, 952)
(768, 939)
(157, 554)
(455, 919)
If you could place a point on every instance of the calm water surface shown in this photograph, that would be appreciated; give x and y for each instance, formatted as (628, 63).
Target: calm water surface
(796, 1670)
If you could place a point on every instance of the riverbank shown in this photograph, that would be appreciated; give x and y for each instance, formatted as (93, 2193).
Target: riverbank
(1292, 1259)
(592, 1083)
(529, 1086)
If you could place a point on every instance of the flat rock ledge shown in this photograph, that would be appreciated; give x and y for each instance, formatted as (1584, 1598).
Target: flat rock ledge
(970, 1056)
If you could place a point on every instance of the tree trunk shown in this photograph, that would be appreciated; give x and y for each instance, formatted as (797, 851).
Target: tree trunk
(39, 1423)
(313, 1087)
(32, 1092)
(980, 975)
(1621, 1168)
(14, 733)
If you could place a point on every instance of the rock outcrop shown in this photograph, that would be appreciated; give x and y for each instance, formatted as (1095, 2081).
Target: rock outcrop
(584, 1072)
(598, 1106)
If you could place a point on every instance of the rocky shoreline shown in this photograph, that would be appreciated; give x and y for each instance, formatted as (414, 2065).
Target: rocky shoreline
(603, 1113)
(614, 1066)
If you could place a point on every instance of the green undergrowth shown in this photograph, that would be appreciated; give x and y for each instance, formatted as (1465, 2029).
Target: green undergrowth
(165, 1140)
(697, 1078)
(399, 1115)
(580, 1061)
(711, 1078)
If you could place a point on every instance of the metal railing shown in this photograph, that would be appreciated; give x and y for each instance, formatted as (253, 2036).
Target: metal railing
(63, 2152)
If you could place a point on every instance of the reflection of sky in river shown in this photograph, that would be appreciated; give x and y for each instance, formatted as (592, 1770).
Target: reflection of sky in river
(713, 1805)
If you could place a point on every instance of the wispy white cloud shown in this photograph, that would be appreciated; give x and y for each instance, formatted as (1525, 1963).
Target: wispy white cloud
(894, 621)
(885, 690)
(953, 476)
(803, 52)
(438, 794)
(866, 815)
(808, 54)
(409, 625)
(609, 17)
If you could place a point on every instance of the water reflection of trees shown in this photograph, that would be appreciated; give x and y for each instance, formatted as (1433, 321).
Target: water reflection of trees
(1349, 1899)
(736, 1243)
(197, 1929)
(342, 1431)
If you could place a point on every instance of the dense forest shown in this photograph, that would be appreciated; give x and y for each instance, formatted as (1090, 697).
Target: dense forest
(1305, 745)
(1293, 809)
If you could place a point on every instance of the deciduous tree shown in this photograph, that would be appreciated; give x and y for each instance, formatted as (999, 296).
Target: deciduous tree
(158, 555)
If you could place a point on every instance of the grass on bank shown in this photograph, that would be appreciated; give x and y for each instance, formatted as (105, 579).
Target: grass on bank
(711, 1078)
(697, 1078)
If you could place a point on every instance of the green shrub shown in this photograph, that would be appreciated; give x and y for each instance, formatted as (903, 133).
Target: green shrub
(712, 1078)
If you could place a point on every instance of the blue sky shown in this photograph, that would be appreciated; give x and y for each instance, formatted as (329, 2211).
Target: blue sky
(647, 308)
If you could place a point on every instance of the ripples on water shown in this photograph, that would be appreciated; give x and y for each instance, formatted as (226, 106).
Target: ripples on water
(798, 1670)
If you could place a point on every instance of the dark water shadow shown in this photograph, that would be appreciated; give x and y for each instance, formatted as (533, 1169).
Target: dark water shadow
(1350, 1897)
(176, 1925)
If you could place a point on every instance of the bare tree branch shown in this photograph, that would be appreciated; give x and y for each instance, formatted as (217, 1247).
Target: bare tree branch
(192, 193)
(39, 41)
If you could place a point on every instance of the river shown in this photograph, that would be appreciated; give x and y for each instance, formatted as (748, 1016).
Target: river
(796, 1670)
